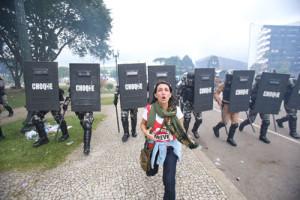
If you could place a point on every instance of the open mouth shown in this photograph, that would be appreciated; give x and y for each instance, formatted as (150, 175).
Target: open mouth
(164, 98)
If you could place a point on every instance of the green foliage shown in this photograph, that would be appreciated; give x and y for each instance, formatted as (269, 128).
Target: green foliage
(108, 100)
(109, 86)
(17, 153)
(186, 64)
(63, 72)
(84, 26)
(16, 97)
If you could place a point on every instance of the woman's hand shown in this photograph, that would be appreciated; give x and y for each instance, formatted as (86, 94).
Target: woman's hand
(149, 135)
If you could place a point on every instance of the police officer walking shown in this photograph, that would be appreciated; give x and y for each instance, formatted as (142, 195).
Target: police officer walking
(3, 97)
(226, 114)
(291, 116)
(186, 92)
(1, 133)
(252, 114)
(124, 118)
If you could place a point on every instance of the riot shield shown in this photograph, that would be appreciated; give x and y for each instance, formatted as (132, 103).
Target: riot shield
(85, 87)
(161, 73)
(240, 90)
(271, 89)
(203, 89)
(132, 85)
(41, 86)
(294, 101)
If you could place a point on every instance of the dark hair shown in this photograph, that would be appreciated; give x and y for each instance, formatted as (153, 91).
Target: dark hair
(172, 101)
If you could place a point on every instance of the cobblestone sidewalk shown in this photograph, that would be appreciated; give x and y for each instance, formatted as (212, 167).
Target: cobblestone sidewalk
(112, 171)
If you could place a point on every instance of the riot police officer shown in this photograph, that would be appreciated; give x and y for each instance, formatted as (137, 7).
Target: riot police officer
(186, 93)
(124, 118)
(3, 97)
(37, 120)
(252, 114)
(291, 116)
(1, 133)
(226, 114)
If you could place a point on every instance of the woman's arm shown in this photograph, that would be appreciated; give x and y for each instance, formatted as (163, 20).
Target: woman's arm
(146, 131)
(217, 94)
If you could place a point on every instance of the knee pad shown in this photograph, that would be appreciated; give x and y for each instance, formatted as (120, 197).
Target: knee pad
(86, 125)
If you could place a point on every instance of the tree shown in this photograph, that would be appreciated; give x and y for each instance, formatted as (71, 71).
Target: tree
(82, 25)
(186, 64)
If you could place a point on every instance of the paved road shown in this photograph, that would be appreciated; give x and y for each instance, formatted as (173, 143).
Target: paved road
(112, 171)
(258, 170)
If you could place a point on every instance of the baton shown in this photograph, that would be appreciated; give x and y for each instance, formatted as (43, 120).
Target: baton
(250, 121)
(117, 118)
(275, 127)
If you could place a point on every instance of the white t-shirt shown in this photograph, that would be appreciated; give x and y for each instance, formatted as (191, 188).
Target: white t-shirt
(161, 134)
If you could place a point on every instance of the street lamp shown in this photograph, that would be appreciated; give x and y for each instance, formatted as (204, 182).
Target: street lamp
(116, 56)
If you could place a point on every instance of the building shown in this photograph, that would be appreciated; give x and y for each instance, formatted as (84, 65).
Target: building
(278, 48)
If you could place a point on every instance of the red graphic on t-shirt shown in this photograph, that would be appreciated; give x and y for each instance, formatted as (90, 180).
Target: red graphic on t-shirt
(161, 134)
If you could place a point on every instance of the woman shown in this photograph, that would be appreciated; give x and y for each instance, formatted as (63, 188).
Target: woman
(162, 122)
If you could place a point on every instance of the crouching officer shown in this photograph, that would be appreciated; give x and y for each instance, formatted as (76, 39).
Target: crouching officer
(43, 95)
(226, 114)
(38, 122)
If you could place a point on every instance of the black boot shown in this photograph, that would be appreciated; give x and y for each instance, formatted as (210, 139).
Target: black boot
(195, 128)
(86, 141)
(263, 133)
(133, 126)
(281, 120)
(10, 110)
(231, 133)
(43, 139)
(293, 128)
(126, 129)
(217, 127)
(243, 124)
(64, 130)
(1, 134)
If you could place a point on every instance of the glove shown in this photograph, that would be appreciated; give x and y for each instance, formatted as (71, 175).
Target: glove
(116, 100)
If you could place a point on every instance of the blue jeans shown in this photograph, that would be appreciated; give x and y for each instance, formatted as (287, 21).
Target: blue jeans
(169, 174)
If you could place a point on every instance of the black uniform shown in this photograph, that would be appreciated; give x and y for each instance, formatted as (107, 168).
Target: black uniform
(265, 118)
(3, 97)
(1, 133)
(124, 118)
(37, 120)
(291, 116)
(185, 89)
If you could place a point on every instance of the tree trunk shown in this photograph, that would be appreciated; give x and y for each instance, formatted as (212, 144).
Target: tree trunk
(17, 81)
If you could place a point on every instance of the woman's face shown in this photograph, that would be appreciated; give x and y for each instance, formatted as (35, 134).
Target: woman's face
(163, 93)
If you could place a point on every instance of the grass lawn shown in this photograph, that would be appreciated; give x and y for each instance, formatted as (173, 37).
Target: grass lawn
(16, 97)
(17, 153)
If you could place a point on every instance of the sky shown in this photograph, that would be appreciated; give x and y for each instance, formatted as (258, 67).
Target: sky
(147, 29)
